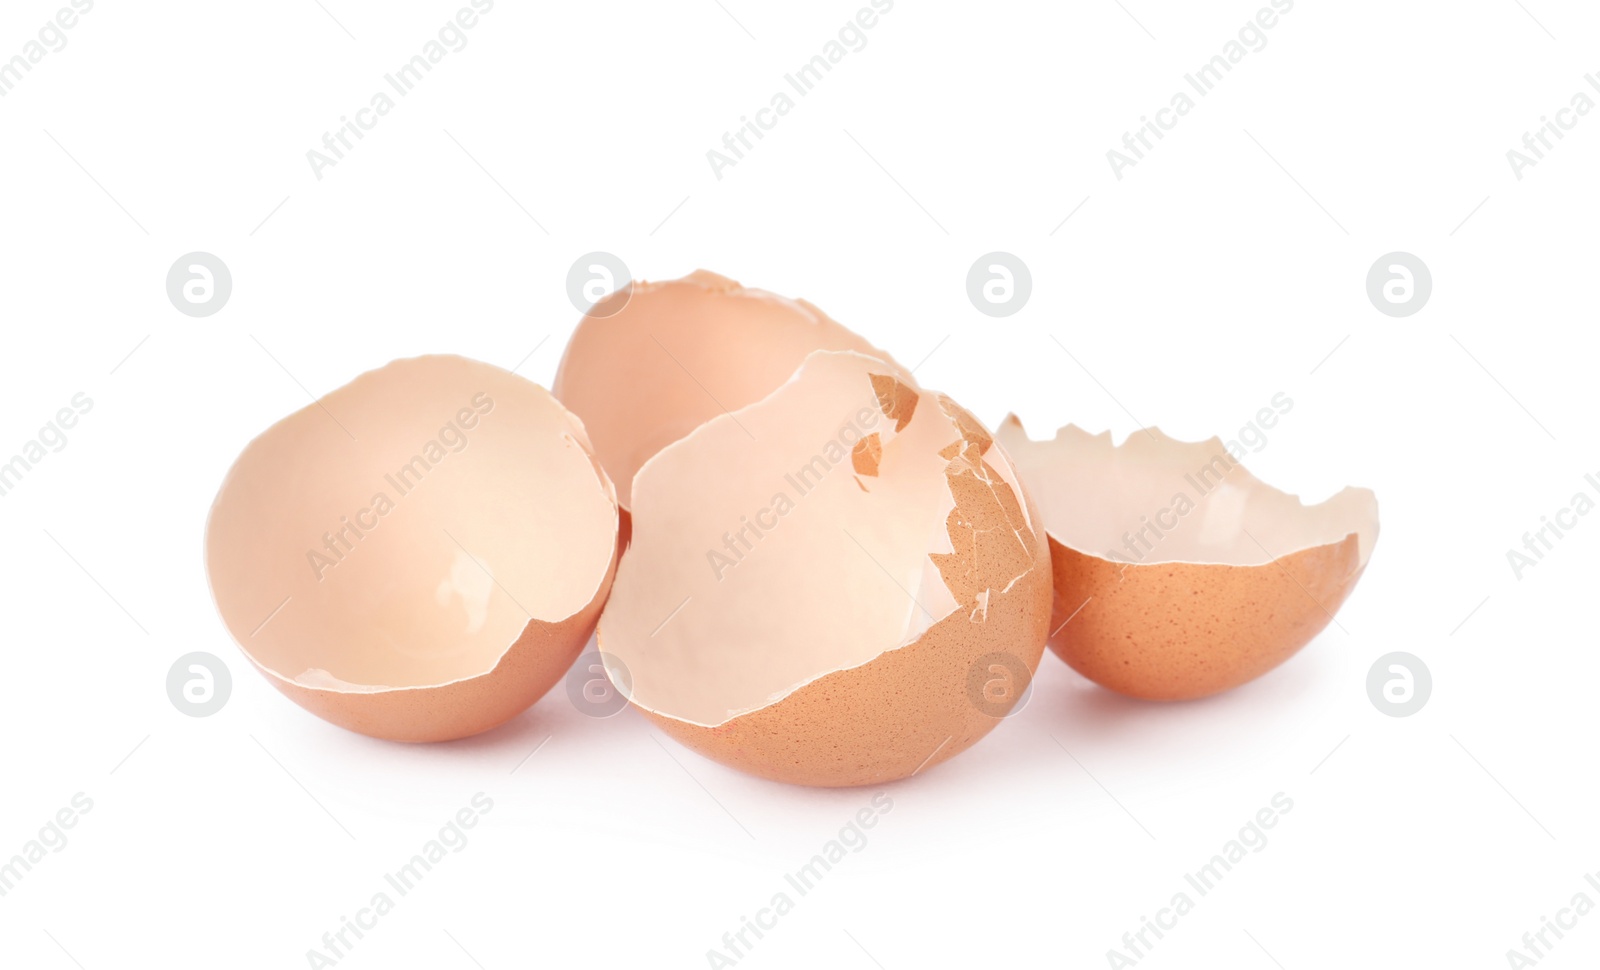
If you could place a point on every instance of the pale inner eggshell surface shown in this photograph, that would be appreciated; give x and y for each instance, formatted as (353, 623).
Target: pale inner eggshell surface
(405, 531)
(783, 551)
(1094, 495)
(679, 353)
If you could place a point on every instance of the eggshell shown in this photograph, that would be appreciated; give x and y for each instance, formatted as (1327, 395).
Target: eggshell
(1178, 574)
(814, 578)
(679, 353)
(418, 555)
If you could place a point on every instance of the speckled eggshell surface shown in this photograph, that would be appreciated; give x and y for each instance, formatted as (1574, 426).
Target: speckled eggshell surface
(1177, 573)
(1175, 631)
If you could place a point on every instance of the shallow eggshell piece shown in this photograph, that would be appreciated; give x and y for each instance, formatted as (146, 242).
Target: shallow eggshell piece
(678, 353)
(1209, 578)
(818, 580)
(1175, 631)
(419, 555)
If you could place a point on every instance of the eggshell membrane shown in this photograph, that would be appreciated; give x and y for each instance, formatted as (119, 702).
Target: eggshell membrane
(679, 353)
(836, 648)
(453, 605)
(1247, 576)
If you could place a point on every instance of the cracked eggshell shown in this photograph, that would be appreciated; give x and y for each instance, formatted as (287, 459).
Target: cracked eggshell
(814, 578)
(679, 353)
(419, 555)
(1178, 574)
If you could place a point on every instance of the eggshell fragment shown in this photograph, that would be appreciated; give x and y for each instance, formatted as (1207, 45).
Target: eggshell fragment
(1178, 574)
(814, 578)
(679, 353)
(420, 554)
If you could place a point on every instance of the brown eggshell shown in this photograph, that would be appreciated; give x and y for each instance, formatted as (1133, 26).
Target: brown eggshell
(898, 715)
(1203, 601)
(679, 353)
(528, 669)
(838, 644)
(419, 555)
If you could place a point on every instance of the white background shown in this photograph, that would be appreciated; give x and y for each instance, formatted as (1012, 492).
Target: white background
(1223, 269)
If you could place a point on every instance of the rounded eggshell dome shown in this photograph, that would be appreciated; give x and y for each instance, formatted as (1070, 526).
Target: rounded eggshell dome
(1177, 631)
(677, 354)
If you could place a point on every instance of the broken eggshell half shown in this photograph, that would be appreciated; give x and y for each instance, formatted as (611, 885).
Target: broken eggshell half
(814, 579)
(679, 353)
(1178, 574)
(418, 555)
